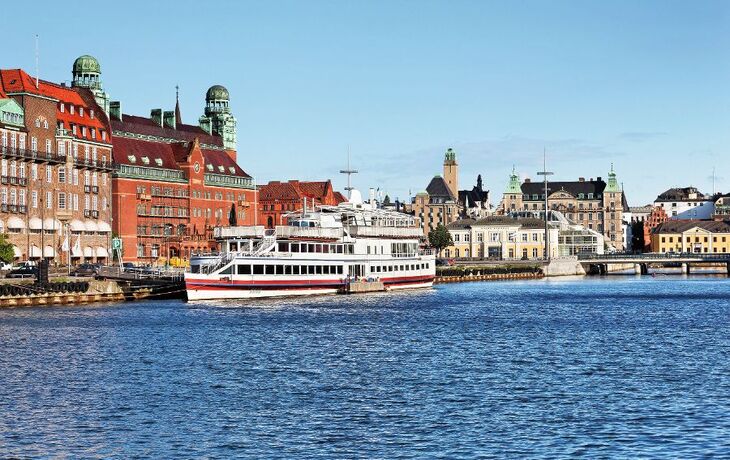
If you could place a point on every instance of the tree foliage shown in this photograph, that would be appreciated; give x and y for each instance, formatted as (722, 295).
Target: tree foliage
(7, 254)
(386, 200)
(440, 238)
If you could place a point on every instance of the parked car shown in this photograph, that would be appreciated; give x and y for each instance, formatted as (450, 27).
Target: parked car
(86, 270)
(4, 266)
(26, 271)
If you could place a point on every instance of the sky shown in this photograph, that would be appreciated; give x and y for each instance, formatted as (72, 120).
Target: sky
(642, 85)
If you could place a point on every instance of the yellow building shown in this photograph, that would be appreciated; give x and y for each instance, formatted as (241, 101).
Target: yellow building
(500, 237)
(699, 236)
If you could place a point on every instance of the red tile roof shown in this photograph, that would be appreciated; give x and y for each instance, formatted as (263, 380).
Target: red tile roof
(296, 190)
(145, 126)
(219, 158)
(18, 81)
(123, 147)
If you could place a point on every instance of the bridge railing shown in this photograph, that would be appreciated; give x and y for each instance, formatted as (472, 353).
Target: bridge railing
(656, 255)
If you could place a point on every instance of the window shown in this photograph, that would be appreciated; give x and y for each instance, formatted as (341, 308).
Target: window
(48, 146)
(33, 143)
(61, 200)
(49, 174)
(62, 175)
(81, 111)
(49, 200)
(34, 199)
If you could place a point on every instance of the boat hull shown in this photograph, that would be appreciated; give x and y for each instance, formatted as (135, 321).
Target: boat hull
(207, 289)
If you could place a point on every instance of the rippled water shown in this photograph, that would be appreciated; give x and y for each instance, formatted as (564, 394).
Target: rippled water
(624, 367)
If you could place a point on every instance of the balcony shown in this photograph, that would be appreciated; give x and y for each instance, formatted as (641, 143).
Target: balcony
(91, 213)
(22, 209)
(95, 189)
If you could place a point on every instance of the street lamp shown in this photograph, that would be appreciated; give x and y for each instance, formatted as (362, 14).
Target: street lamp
(545, 173)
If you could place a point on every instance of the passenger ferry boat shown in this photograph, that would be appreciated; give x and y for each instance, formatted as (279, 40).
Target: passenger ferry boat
(322, 251)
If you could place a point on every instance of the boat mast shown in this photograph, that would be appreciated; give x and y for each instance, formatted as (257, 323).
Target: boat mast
(349, 171)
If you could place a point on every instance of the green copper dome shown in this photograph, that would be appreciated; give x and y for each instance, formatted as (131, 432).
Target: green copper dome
(217, 92)
(86, 64)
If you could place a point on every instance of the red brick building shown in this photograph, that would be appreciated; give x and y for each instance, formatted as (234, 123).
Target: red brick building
(657, 217)
(276, 199)
(175, 182)
(55, 178)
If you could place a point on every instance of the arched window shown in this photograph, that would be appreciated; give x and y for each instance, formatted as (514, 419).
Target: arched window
(270, 222)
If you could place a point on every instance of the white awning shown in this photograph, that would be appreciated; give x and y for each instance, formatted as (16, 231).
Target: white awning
(51, 224)
(104, 227)
(16, 222)
(101, 252)
(88, 252)
(35, 223)
(91, 226)
(17, 251)
(77, 226)
(35, 251)
(48, 251)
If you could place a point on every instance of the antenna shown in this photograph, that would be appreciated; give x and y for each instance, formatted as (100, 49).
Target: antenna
(37, 58)
(349, 171)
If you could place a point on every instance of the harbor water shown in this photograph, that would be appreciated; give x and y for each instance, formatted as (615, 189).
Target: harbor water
(633, 367)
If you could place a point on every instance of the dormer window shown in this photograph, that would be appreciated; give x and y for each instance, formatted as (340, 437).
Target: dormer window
(232, 169)
(146, 160)
(62, 108)
(83, 131)
(158, 161)
(132, 158)
(71, 109)
(221, 169)
(93, 133)
(45, 124)
(81, 111)
(209, 167)
(37, 122)
(103, 135)
(73, 129)
(91, 113)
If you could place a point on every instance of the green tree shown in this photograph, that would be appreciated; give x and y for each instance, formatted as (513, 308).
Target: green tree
(7, 254)
(440, 238)
(386, 200)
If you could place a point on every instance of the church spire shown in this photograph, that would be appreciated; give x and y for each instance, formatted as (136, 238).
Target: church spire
(178, 118)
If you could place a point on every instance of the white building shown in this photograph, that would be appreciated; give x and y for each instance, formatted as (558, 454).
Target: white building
(686, 203)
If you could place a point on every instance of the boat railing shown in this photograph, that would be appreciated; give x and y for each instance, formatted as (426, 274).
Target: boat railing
(388, 232)
(285, 231)
(249, 231)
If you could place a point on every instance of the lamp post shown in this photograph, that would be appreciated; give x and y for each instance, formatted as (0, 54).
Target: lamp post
(545, 173)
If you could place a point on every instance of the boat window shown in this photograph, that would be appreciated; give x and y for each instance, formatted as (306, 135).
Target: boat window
(311, 247)
(269, 269)
(339, 249)
(287, 269)
(227, 270)
(325, 248)
(318, 248)
(295, 269)
(368, 249)
(244, 269)
(311, 269)
(295, 247)
(258, 269)
(194, 268)
(311, 224)
(350, 249)
(279, 269)
(283, 247)
(318, 270)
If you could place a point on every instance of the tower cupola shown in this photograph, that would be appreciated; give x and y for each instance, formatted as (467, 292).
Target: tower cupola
(86, 73)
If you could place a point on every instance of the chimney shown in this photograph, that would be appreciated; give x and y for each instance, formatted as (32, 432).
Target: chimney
(581, 179)
(156, 116)
(598, 178)
(591, 180)
(169, 119)
(115, 110)
(205, 124)
(527, 180)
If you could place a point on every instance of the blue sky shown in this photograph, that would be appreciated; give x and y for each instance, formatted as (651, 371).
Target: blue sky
(641, 84)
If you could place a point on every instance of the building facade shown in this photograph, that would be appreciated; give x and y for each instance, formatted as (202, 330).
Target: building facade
(55, 182)
(277, 199)
(500, 238)
(594, 204)
(697, 236)
(439, 204)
